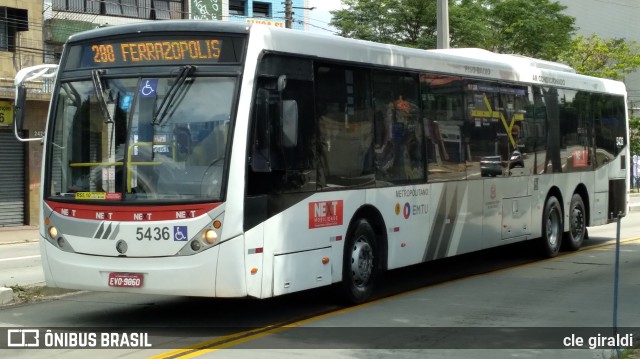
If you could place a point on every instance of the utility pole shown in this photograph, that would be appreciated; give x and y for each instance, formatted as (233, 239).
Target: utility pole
(442, 27)
(288, 13)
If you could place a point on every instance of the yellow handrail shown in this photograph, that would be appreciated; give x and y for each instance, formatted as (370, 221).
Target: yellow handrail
(129, 161)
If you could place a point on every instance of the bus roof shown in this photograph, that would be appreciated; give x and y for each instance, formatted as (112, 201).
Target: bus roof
(464, 62)
(468, 62)
(163, 26)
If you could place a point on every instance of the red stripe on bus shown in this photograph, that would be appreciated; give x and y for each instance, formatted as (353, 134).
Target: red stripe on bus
(133, 213)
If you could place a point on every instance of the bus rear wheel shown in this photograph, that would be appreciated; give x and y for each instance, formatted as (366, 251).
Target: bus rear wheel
(360, 265)
(577, 223)
(552, 228)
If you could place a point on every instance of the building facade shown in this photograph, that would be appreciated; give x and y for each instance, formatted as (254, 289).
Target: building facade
(20, 46)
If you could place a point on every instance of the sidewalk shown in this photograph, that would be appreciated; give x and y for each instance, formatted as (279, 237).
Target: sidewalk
(13, 235)
(20, 234)
(634, 201)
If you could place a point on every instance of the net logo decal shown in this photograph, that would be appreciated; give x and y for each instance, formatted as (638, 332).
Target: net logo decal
(325, 214)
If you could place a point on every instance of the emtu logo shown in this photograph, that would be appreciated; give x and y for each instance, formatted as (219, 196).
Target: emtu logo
(325, 214)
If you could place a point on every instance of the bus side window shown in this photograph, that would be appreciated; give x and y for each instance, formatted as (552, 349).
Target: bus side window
(345, 126)
(399, 143)
(282, 144)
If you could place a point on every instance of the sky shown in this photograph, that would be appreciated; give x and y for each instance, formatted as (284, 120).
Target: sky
(320, 16)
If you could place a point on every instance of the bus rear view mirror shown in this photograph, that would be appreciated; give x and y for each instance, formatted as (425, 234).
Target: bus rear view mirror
(282, 83)
(289, 123)
(18, 112)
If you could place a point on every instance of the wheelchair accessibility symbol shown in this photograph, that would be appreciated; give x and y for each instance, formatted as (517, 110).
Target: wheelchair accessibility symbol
(180, 233)
(148, 87)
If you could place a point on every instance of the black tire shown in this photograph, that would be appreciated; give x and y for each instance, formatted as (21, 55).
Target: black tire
(361, 262)
(577, 224)
(552, 228)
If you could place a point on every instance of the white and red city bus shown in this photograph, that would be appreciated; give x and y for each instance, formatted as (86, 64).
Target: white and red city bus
(230, 160)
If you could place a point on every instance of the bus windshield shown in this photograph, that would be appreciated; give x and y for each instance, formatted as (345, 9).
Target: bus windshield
(140, 139)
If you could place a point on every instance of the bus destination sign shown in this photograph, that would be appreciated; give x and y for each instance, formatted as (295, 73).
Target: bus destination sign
(155, 51)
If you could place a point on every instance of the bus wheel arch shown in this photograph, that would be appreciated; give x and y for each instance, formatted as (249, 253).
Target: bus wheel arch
(365, 255)
(578, 219)
(552, 224)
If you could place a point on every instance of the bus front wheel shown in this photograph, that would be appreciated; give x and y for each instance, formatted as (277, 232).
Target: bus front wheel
(552, 227)
(360, 265)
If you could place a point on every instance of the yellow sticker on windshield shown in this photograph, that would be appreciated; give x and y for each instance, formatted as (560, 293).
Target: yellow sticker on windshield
(91, 195)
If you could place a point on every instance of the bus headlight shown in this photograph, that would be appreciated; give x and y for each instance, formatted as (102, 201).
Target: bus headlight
(206, 238)
(210, 236)
(53, 232)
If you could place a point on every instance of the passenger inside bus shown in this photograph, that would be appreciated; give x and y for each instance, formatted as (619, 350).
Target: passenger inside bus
(399, 153)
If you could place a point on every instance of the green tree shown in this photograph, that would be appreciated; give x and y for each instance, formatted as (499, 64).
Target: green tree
(529, 27)
(609, 58)
(535, 28)
(468, 24)
(402, 22)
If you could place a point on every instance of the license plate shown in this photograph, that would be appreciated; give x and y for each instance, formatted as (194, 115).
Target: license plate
(128, 280)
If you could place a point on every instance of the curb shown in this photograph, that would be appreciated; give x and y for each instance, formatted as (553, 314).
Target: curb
(6, 295)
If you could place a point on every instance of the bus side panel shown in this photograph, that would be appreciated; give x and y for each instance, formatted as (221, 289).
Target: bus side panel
(254, 244)
(601, 201)
(230, 280)
(48, 276)
(468, 222)
(318, 221)
(302, 270)
(460, 208)
(407, 212)
(507, 210)
(589, 181)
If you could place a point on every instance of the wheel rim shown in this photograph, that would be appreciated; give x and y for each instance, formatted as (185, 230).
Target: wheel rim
(361, 262)
(577, 223)
(553, 222)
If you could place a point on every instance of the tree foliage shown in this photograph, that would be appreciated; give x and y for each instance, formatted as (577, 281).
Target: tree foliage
(609, 58)
(529, 27)
(469, 24)
(535, 28)
(402, 22)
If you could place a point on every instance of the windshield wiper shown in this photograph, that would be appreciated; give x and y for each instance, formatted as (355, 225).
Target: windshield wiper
(97, 85)
(175, 88)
